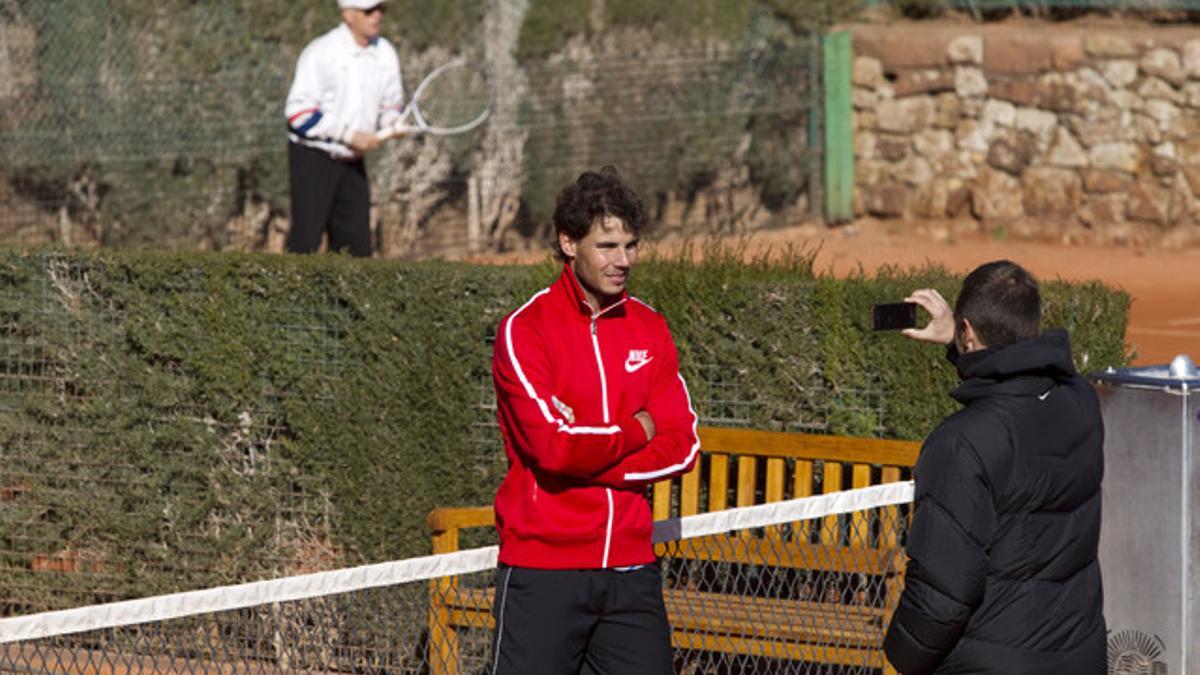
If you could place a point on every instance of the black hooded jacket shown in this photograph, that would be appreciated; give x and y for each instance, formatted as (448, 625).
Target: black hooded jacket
(1003, 574)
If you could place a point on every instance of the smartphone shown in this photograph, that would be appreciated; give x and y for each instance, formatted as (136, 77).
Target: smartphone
(894, 315)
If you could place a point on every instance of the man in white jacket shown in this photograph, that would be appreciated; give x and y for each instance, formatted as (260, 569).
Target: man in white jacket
(347, 86)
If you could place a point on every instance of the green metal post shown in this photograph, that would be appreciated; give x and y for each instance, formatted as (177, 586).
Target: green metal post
(839, 131)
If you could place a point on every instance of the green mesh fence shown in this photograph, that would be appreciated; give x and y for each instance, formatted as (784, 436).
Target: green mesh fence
(131, 123)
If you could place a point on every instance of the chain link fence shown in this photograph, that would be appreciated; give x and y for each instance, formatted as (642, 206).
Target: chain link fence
(807, 589)
(161, 125)
(199, 484)
(187, 498)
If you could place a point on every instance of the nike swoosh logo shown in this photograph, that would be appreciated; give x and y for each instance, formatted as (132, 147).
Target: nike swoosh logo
(634, 366)
(1043, 397)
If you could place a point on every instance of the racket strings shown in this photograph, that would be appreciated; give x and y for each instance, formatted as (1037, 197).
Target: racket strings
(456, 97)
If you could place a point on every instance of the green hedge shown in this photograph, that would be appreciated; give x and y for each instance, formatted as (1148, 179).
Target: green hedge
(171, 421)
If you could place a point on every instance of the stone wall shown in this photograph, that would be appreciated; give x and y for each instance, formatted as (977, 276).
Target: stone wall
(1043, 130)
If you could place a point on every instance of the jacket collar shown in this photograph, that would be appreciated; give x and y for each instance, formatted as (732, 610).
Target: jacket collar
(568, 288)
(1026, 368)
(347, 38)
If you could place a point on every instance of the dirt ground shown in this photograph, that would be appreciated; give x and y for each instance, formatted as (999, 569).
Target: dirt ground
(1164, 283)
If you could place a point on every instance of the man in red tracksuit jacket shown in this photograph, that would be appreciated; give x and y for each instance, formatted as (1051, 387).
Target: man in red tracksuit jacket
(593, 410)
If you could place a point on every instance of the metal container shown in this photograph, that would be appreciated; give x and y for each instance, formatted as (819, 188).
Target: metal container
(1150, 536)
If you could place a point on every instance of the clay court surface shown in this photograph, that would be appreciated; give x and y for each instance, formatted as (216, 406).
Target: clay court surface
(1164, 283)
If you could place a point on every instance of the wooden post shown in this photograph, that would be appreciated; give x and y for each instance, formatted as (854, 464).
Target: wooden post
(831, 531)
(838, 58)
(474, 216)
(661, 503)
(718, 482)
(689, 491)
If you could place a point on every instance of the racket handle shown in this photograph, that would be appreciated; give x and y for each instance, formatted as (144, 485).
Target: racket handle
(395, 131)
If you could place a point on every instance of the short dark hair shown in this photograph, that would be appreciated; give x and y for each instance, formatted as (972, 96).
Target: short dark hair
(1002, 302)
(594, 195)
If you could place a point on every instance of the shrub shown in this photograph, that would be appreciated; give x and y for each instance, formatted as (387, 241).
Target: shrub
(184, 420)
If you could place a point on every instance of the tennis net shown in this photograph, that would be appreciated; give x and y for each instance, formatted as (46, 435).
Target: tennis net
(800, 586)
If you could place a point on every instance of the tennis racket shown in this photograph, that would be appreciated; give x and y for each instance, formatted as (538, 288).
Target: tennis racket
(454, 98)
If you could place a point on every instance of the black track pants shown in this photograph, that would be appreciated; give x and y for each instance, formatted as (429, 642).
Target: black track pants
(563, 622)
(327, 193)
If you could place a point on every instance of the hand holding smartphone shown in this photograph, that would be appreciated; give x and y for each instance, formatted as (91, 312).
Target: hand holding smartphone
(894, 316)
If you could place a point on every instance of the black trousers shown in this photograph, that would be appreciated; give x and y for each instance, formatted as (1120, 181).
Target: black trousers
(328, 194)
(563, 622)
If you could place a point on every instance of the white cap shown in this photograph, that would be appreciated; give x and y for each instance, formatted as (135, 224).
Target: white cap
(359, 4)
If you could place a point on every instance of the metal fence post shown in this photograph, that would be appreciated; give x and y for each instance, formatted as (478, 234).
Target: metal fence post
(839, 131)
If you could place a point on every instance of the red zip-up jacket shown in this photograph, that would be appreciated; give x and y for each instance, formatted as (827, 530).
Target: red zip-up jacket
(568, 382)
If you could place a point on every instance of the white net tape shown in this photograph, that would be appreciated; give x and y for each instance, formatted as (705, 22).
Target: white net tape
(226, 598)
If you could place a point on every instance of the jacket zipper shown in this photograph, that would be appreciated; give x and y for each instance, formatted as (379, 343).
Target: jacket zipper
(600, 365)
(604, 401)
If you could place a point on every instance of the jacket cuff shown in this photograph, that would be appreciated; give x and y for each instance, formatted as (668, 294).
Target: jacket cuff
(633, 435)
(906, 654)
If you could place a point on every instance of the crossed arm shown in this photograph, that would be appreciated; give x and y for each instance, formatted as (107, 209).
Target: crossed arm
(656, 442)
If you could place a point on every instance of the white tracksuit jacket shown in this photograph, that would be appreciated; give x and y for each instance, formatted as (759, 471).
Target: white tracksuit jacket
(340, 88)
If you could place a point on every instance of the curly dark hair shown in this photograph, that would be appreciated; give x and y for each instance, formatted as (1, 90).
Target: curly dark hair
(594, 195)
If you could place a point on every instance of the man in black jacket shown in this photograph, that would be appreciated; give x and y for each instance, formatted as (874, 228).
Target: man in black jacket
(1003, 574)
